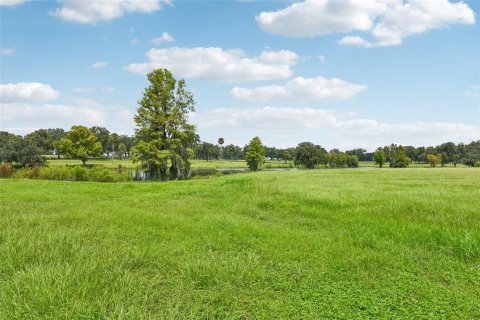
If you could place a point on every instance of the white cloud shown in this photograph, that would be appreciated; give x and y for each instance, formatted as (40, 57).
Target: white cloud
(31, 91)
(49, 116)
(108, 89)
(321, 58)
(11, 3)
(473, 91)
(320, 17)
(355, 41)
(302, 89)
(24, 118)
(163, 38)
(83, 90)
(93, 11)
(388, 21)
(135, 41)
(100, 64)
(219, 65)
(7, 51)
(284, 126)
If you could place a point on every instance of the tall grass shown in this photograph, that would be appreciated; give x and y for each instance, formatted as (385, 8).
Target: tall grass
(321, 244)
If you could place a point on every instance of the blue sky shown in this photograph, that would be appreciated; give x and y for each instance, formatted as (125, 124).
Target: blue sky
(338, 73)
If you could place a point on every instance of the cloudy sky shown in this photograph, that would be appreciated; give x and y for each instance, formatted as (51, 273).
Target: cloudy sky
(338, 73)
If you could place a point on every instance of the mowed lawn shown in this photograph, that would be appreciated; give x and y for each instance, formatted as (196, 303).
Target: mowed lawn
(334, 244)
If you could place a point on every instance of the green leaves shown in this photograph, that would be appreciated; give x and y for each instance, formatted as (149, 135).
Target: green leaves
(163, 134)
(255, 154)
(79, 143)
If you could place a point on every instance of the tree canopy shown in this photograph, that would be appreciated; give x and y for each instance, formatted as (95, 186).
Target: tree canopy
(255, 154)
(163, 134)
(308, 155)
(80, 143)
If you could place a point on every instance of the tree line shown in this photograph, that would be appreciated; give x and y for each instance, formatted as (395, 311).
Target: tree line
(164, 142)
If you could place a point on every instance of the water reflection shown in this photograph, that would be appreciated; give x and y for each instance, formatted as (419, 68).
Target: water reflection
(140, 175)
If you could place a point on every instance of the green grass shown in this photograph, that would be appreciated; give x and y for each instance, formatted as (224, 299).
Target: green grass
(127, 163)
(339, 244)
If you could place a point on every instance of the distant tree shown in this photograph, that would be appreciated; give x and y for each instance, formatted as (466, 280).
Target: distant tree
(455, 159)
(398, 158)
(420, 155)
(359, 152)
(288, 154)
(352, 161)
(221, 141)
(434, 159)
(411, 152)
(163, 133)
(379, 157)
(255, 154)
(79, 143)
(114, 139)
(44, 139)
(337, 159)
(308, 155)
(122, 148)
(15, 149)
(445, 159)
(128, 141)
(232, 152)
(103, 136)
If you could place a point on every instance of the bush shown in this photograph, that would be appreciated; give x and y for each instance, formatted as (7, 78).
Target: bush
(352, 161)
(65, 174)
(24, 173)
(79, 174)
(477, 164)
(6, 170)
(106, 175)
(58, 173)
(34, 172)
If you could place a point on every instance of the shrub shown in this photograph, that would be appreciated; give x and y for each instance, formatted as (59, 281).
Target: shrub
(352, 161)
(79, 174)
(106, 175)
(24, 173)
(477, 164)
(6, 170)
(34, 172)
(56, 173)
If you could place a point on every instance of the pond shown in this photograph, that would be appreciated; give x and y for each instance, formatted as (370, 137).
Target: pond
(140, 175)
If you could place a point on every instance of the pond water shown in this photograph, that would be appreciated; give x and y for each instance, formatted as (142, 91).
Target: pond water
(140, 175)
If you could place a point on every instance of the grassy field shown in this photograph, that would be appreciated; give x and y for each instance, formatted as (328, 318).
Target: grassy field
(127, 163)
(341, 244)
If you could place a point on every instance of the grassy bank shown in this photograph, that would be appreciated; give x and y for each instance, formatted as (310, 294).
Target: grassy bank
(127, 163)
(272, 245)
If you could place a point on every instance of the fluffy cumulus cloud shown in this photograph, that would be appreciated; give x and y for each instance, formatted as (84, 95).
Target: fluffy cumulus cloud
(163, 38)
(217, 64)
(27, 91)
(302, 89)
(387, 21)
(93, 11)
(11, 3)
(285, 126)
(22, 118)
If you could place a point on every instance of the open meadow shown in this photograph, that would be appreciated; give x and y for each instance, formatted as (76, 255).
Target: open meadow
(212, 164)
(351, 243)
